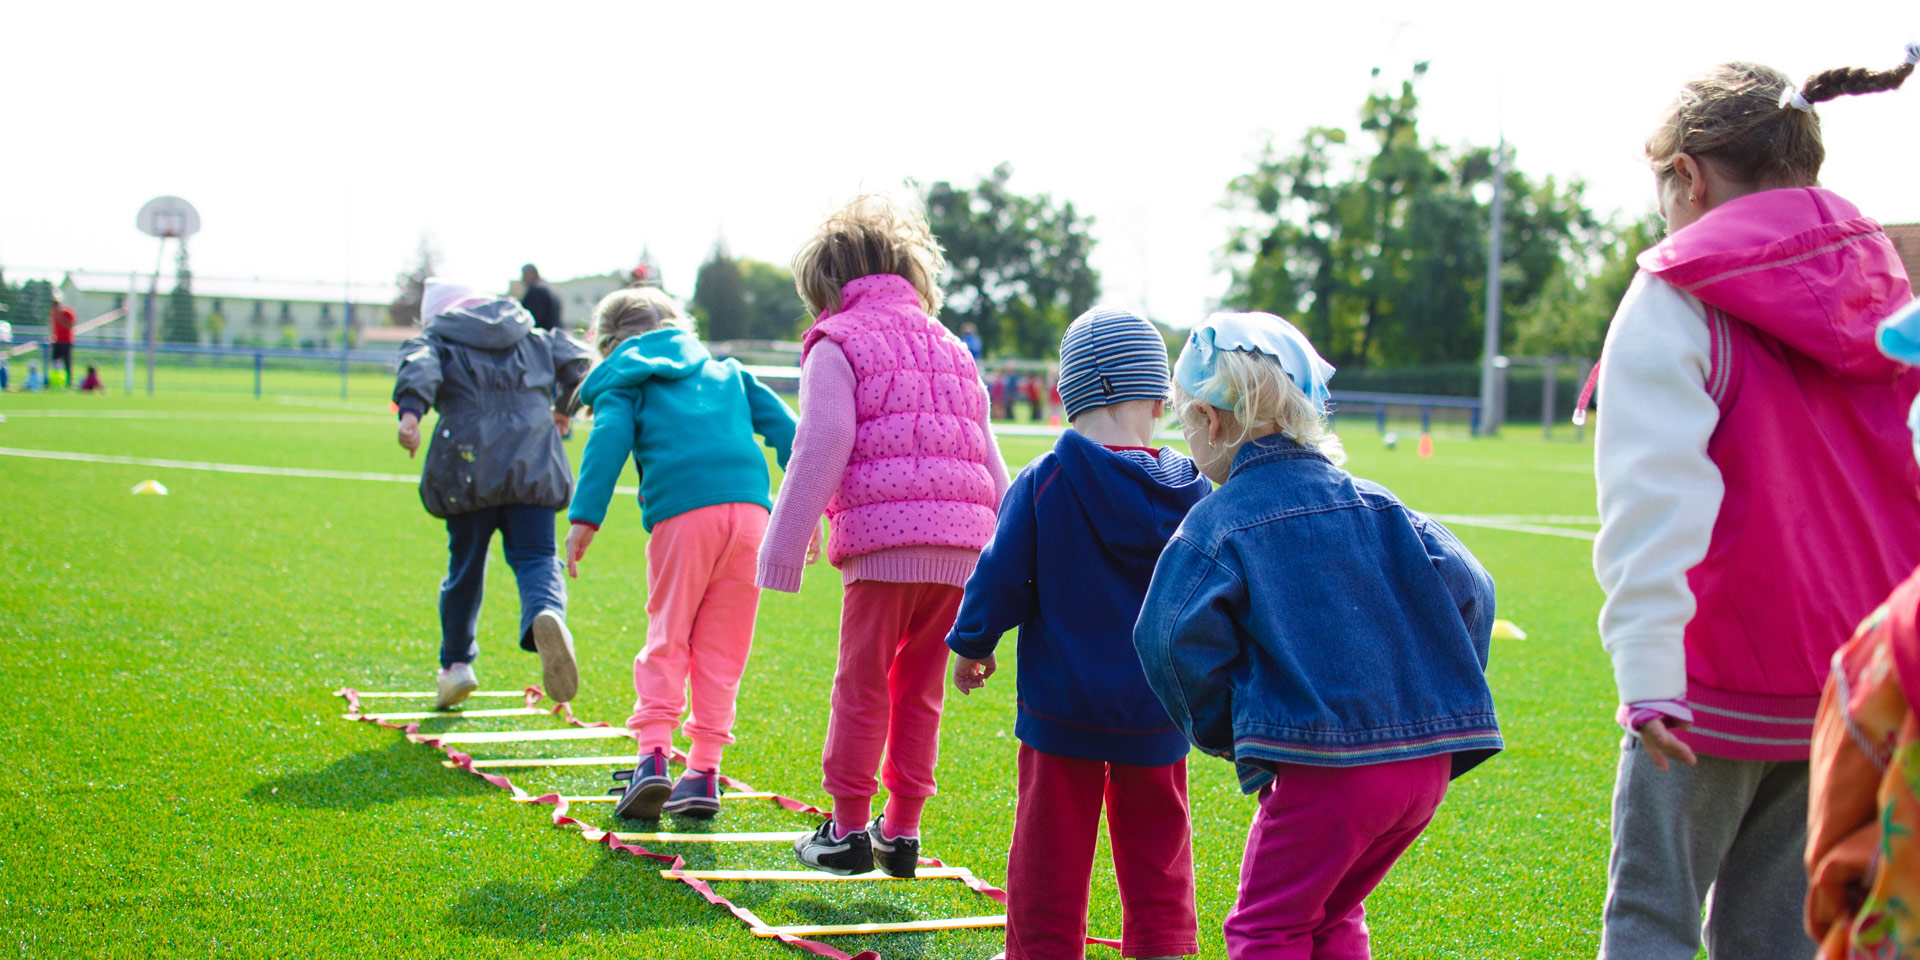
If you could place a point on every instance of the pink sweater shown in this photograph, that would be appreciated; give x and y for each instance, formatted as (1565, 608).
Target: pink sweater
(822, 449)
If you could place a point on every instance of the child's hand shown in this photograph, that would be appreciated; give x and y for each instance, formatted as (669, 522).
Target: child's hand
(1660, 743)
(819, 538)
(971, 675)
(577, 540)
(410, 432)
(562, 422)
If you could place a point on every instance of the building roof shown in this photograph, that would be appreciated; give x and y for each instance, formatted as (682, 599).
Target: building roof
(294, 291)
(1906, 239)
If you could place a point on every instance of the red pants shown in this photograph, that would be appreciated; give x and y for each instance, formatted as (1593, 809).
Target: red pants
(888, 689)
(1323, 839)
(1056, 826)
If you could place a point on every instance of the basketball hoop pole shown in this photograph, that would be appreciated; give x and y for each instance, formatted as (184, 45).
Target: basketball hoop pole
(158, 257)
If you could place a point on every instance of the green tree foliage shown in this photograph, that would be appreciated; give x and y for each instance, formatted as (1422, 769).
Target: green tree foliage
(180, 324)
(1376, 245)
(719, 297)
(405, 311)
(1572, 312)
(31, 301)
(774, 308)
(1017, 264)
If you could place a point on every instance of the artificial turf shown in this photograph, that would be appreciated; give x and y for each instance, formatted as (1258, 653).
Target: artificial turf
(180, 781)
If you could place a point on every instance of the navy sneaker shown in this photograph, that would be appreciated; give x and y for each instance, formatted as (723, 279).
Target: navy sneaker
(647, 787)
(897, 857)
(844, 856)
(696, 794)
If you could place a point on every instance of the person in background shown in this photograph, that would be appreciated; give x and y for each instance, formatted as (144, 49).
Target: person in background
(496, 465)
(1071, 556)
(35, 382)
(1863, 804)
(539, 299)
(970, 335)
(61, 318)
(1750, 512)
(92, 383)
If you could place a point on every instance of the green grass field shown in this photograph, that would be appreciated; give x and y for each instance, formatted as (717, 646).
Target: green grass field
(181, 782)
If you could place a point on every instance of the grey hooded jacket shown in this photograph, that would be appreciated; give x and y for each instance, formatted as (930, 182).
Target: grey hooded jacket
(491, 376)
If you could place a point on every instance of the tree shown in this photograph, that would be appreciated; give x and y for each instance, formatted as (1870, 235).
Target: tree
(413, 285)
(180, 324)
(774, 308)
(719, 297)
(1571, 315)
(1378, 247)
(1016, 265)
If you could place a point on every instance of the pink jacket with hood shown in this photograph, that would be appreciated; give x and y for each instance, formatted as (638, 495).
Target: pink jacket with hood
(1771, 301)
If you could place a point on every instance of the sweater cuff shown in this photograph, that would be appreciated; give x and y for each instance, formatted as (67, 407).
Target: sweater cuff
(407, 408)
(972, 649)
(1638, 714)
(584, 523)
(779, 576)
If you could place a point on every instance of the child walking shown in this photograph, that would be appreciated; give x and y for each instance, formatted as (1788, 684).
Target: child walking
(895, 448)
(1748, 517)
(1078, 535)
(1307, 626)
(688, 421)
(495, 464)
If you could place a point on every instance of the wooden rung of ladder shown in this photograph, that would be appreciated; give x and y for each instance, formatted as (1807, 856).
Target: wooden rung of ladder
(432, 714)
(911, 926)
(762, 837)
(803, 876)
(611, 798)
(547, 762)
(429, 694)
(523, 736)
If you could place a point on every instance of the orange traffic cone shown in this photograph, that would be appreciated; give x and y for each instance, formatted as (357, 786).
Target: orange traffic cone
(1426, 445)
(1054, 421)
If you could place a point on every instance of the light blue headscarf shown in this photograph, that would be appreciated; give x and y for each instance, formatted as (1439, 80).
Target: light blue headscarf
(1257, 332)
(1899, 338)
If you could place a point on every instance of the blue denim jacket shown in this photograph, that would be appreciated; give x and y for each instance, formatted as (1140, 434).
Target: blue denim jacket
(1302, 615)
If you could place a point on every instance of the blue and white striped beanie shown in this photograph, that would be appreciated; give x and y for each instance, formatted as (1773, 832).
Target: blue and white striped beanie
(1110, 355)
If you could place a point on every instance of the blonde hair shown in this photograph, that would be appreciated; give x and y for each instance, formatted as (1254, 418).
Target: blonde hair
(871, 236)
(1735, 114)
(1261, 395)
(628, 313)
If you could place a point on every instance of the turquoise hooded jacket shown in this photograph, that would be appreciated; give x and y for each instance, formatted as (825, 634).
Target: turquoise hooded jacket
(687, 420)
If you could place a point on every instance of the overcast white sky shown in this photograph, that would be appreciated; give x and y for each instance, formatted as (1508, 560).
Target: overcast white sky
(320, 141)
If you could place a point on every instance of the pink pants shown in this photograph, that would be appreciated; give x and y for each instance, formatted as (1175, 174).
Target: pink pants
(1323, 839)
(701, 602)
(887, 693)
(1056, 827)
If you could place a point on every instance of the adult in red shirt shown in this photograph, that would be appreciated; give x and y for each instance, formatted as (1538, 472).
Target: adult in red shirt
(61, 317)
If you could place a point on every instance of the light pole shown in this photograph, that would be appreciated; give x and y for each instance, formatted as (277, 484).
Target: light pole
(1490, 415)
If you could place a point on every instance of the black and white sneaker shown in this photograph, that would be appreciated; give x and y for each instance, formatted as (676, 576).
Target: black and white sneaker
(647, 788)
(897, 857)
(846, 856)
(696, 795)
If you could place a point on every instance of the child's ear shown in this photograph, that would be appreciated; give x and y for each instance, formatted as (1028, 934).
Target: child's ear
(1215, 423)
(1159, 409)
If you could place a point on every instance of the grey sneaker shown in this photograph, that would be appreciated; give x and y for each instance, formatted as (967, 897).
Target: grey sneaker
(696, 795)
(897, 857)
(647, 787)
(846, 856)
(455, 683)
(559, 675)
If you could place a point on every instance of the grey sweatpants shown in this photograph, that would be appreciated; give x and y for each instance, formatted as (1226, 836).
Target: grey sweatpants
(1735, 829)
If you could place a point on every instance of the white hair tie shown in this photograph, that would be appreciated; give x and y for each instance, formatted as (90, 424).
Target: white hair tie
(1913, 53)
(1790, 97)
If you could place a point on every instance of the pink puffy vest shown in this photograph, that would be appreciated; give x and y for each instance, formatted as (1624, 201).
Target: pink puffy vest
(918, 474)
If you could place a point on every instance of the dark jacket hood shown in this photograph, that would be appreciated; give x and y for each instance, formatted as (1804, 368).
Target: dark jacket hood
(1801, 264)
(497, 324)
(1132, 513)
(665, 354)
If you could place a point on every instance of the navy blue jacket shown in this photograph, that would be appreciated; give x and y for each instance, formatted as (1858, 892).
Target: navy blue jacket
(1304, 616)
(1072, 554)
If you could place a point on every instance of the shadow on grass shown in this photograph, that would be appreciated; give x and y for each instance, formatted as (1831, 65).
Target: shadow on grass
(398, 771)
(622, 892)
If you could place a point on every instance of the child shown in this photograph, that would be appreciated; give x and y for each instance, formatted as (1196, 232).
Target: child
(1748, 520)
(688, 421)
(1863, 828)
(1078, 535)
(92, 383)
(496, 463)
(894, 446)
(35, 382)
(1307, 626)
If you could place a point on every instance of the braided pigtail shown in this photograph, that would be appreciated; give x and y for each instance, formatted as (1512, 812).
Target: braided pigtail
(1853, 81)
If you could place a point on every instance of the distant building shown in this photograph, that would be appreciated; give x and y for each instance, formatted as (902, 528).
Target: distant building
(271, 313)
(1906, 239)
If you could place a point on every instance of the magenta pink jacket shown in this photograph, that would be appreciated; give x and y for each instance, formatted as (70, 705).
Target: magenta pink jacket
(1821, 513)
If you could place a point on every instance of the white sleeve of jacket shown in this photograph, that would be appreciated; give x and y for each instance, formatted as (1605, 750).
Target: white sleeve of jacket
(1659, 493)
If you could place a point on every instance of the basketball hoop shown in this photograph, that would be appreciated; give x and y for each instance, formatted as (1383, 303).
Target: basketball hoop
(165, 217)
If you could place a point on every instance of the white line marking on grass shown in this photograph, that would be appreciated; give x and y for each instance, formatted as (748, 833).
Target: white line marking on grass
(70, 414)
(230, 468)
(1498, 523)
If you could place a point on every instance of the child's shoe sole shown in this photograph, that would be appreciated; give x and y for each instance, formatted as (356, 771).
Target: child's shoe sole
(643, 802)
(699, 808)
(559, 674)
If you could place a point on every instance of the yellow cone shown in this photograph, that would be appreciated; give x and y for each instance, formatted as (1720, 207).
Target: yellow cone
(150, 486)
(1507, 630)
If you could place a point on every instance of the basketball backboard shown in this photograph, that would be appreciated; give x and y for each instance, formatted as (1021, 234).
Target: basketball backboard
(168, 217)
